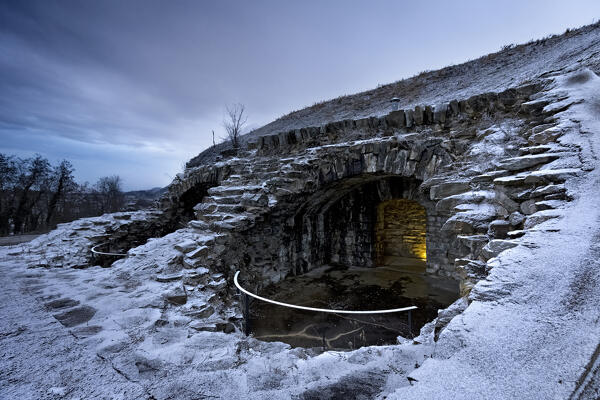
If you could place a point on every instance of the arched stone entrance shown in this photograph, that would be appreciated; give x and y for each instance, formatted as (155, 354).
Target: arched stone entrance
(341, 236)
(367, 221)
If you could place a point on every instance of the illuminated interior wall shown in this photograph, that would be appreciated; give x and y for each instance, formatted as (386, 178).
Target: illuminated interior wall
(400, 233)
(365, 221)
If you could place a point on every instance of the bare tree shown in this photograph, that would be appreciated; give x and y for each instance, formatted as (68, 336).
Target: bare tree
(8, 177)
(35, 196)
(33, 180)
(234, 122)
(110, 193)
(63, 182)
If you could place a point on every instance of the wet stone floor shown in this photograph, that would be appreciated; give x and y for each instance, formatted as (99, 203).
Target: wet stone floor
(351, 288)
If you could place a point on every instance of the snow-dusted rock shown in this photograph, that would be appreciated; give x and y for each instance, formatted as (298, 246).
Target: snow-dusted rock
(169, 277)
(528, 161)
(540, 217)
(496, 246)
(176, 295)
(498, 229)
(201, 251)
(448, 189)
(186, 246)
(446, 315)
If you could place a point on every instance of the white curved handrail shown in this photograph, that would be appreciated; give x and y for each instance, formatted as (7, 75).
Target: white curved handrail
(105, 254)
(327, 310)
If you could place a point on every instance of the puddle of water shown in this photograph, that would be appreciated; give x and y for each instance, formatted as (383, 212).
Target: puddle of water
(349, 289)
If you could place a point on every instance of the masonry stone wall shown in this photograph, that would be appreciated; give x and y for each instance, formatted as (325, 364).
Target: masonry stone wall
(400, 233)
(347, 236)
(483, 168)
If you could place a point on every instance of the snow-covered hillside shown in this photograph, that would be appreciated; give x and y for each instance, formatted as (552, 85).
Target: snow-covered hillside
(494, 72)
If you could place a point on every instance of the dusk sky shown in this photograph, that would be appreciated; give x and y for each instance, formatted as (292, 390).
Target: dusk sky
(135, 88)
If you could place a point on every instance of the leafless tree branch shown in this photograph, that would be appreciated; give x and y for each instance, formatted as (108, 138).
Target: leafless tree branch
(234, 122)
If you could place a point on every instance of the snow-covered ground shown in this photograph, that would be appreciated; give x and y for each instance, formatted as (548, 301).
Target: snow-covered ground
(123, 334)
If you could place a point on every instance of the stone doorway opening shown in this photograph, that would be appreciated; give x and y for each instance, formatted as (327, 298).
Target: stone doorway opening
(369, 221)
(369, 242)
(401, 235)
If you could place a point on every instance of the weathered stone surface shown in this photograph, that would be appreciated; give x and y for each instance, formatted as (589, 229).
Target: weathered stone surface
(539, 217)
(516, 234)
(547, 136)
(528, 207)
(202, 326)
(548, 204)
(448, 204)
(446, 315)
(199, 252)
(535, 149)
(511, 180)
(169, 277)
(217, 284)
(201, 312)
(76, 316)
(489, 176)
(225, 327)
(200, 225)
(533, 106)
(498, 229)
(186, 246)
(550, 189)
(61, 304)
(497, 246)
(418, 115)
(528, 161)
(474, 243)
(409, 116)
(396, 119)
(439, 113)
(473, 270)
(82, 332)
(176, 295)
(255, 199)
(551, 175)
(516, 218)
(193, 263)
(447, 189)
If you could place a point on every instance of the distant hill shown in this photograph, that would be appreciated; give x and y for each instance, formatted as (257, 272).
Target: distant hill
(141, 199)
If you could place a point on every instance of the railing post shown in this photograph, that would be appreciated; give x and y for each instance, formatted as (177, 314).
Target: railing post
(246, 314)
(410, 322)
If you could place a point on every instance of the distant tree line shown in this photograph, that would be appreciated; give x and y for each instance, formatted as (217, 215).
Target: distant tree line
(35, 195)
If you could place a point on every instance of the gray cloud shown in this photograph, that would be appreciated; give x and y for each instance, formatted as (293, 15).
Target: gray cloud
(155, 75)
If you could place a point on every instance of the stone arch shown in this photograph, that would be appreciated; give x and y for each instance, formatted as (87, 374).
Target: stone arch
(420, 159)
(181, 207)
(356, 179)
(291, 238)
(337, 224)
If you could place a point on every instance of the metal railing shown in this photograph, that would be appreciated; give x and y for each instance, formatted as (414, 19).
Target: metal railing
(248, 294)
(102, 253)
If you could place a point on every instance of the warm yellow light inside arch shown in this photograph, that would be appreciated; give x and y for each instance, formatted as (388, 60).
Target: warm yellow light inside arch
(401, 232)
(422, 252)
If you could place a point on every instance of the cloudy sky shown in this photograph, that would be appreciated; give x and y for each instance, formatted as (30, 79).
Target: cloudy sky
(135, 88)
